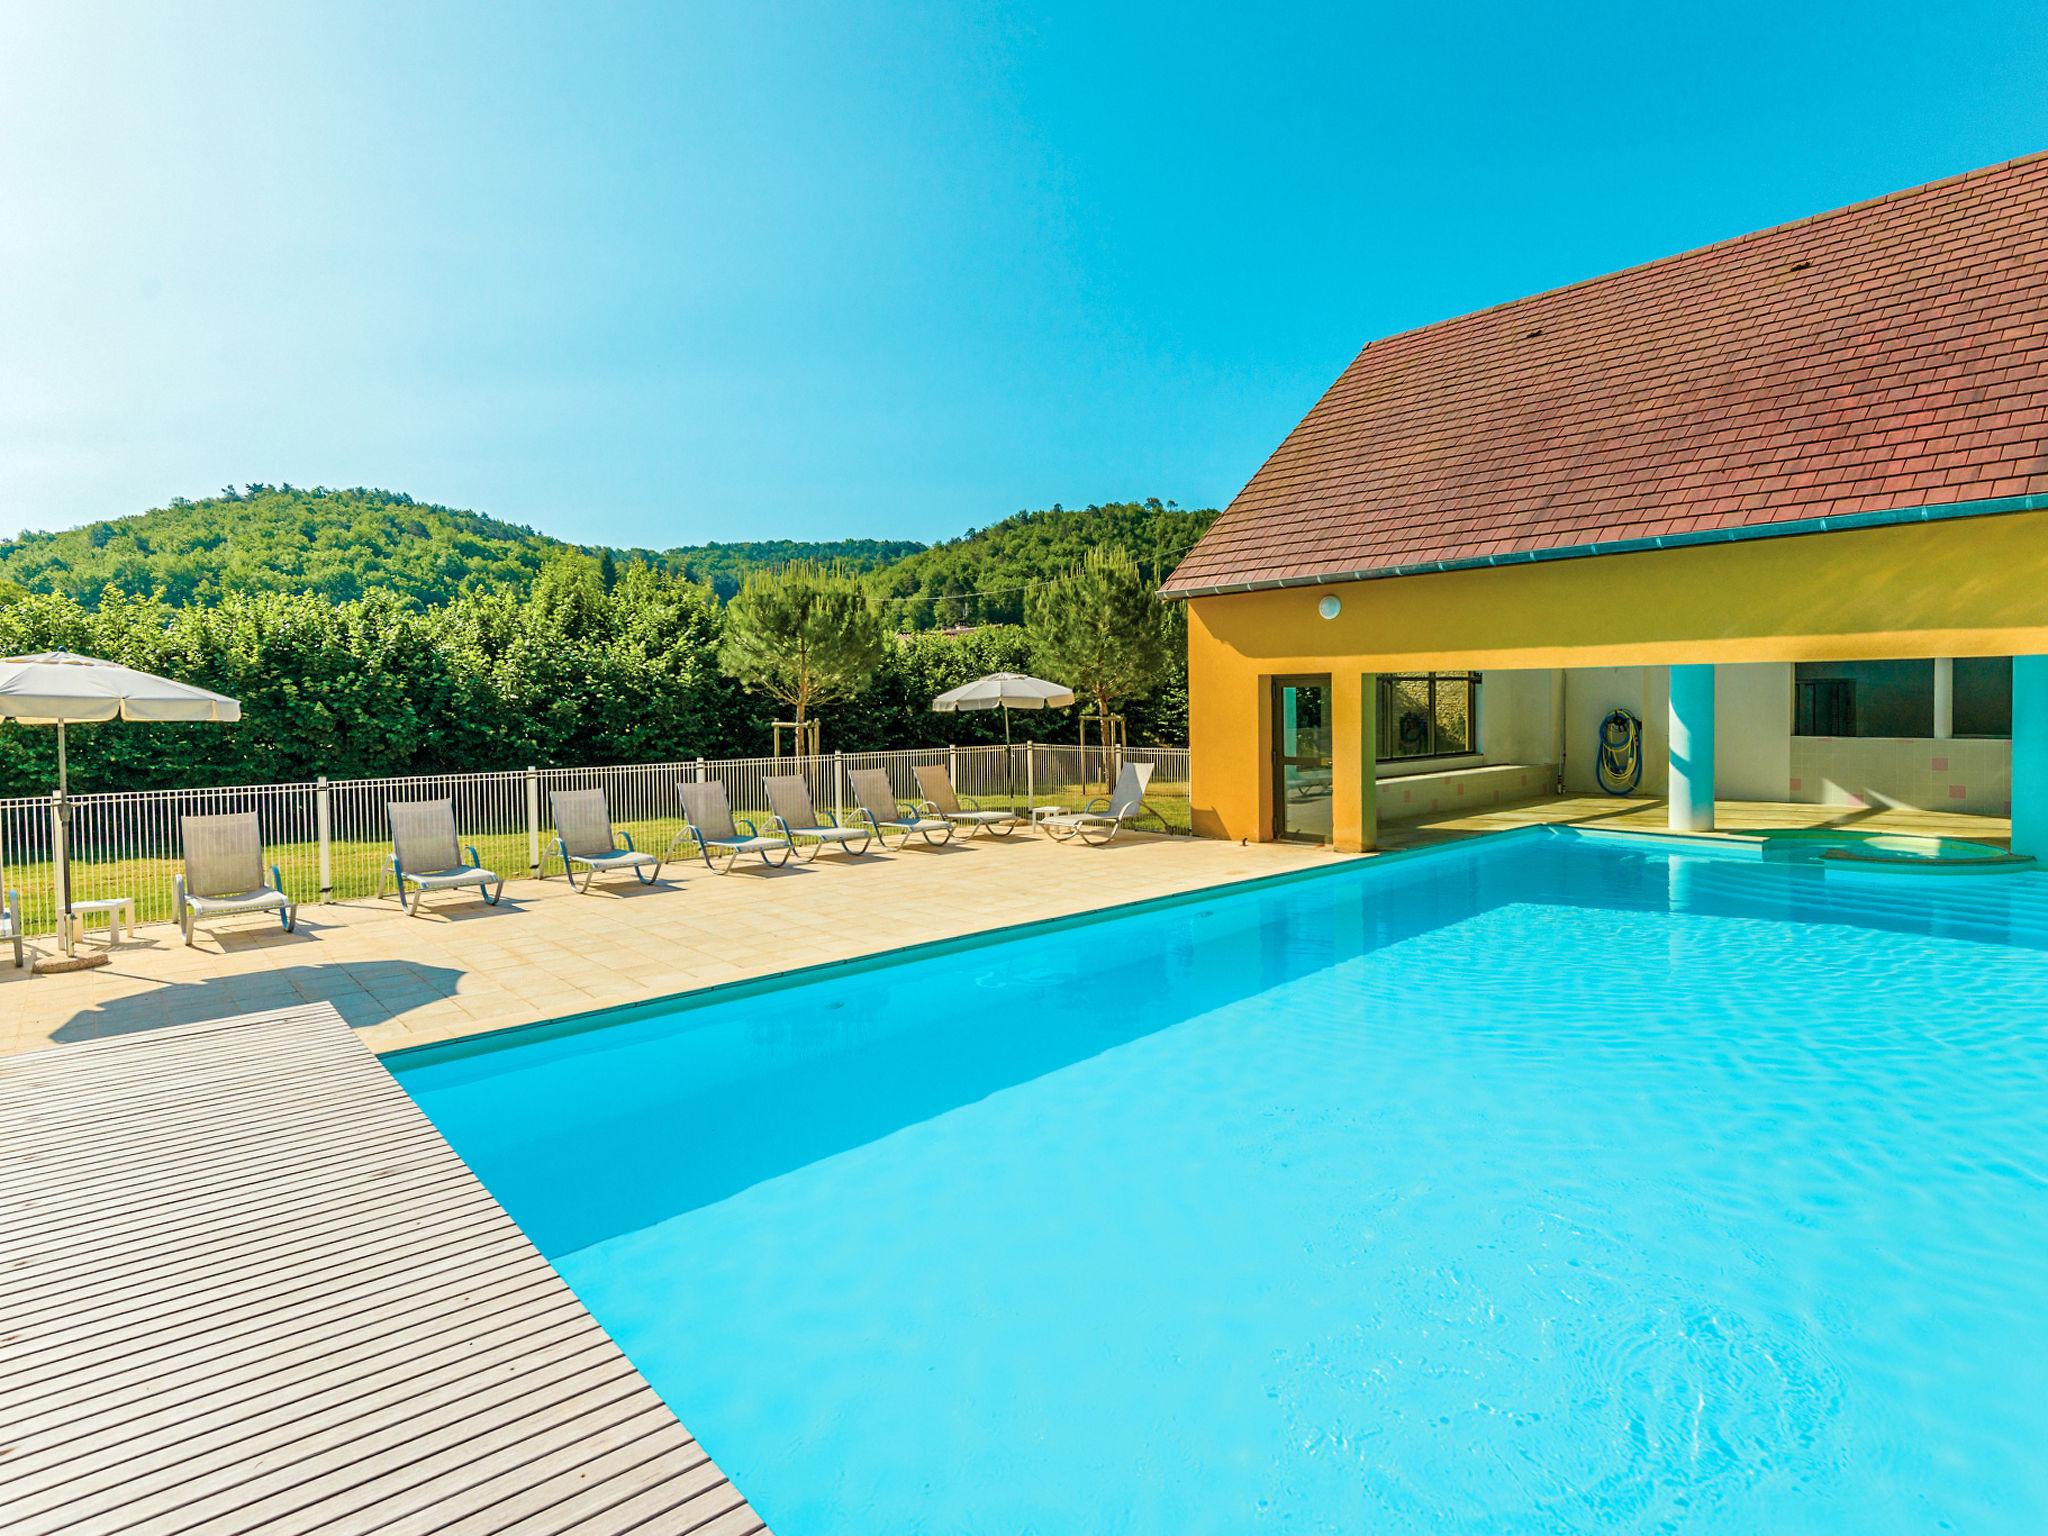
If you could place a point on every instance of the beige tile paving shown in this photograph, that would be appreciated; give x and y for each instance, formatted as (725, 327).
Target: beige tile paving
(466, 968)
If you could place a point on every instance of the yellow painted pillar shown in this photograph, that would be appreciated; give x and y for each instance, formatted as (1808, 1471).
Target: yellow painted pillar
(1355, 800)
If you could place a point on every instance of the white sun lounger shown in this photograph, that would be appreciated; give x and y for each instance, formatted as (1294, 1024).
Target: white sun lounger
(878, 802)
(224, 875)
(941, 799)
(584, 840)
(709, 822)
(10, 925)
(425, 855)
(809, 831)
(1103, 817)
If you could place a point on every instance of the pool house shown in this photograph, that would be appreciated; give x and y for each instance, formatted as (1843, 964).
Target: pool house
(1782, 500)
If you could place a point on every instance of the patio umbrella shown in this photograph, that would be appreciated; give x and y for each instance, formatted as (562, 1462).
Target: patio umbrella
(1005, 691)
(59, 688)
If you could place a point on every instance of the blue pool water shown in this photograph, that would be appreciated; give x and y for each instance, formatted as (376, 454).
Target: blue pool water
(1543, 1184)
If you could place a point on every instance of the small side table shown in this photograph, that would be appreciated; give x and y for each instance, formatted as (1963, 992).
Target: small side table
(119, 910)
(1040, 812)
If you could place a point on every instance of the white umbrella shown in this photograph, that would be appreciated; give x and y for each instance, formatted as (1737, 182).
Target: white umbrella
(59, 688)
(1005, 691)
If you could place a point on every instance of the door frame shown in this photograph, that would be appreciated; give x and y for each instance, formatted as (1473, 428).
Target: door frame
(1278, 759)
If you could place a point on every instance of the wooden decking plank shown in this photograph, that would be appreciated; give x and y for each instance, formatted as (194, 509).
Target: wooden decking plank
(464, 1467)
(283, 1456)
(248, 1287)
(194, 1286)
(234, 1213)
(110, 1178)
(176, 1410)
(741, 1521)
(325, 1489)
(563, 1481)
(672, 1504)
(570, 1498)
(313, 1322)
(229, 1210)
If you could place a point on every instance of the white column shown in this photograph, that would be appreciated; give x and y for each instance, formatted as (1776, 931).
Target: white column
(1692, 749)
(2030, 756)
(1944, 697)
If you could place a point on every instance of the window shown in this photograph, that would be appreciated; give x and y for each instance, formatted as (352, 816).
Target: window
(1863, 698)
(1983, 696)
(1896, 698)
(1428, 714)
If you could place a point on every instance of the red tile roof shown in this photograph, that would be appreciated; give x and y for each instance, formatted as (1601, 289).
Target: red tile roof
(1888, 356)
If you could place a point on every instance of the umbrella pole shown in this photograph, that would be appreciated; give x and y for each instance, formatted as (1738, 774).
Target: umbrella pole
(63, 843)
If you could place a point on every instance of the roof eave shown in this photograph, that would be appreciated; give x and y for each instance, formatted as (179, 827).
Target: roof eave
(1995, 507)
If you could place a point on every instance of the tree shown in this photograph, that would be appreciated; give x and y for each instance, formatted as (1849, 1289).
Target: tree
(1099, 629)
(805, 634)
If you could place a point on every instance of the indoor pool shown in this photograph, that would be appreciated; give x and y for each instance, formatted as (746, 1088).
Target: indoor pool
(1546, 1183)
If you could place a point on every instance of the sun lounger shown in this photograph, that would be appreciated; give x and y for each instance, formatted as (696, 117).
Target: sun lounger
(224, 873)
(425, 855)
(709, 822)
(584, 840)
(941, 800)
(809, 831)
(1103, 817)
(878, 802)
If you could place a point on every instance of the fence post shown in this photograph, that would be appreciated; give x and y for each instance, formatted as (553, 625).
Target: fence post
(701, 770)
(60, 867)
(323, 828)
(1030, 776)
(533, 820)
(838, 787)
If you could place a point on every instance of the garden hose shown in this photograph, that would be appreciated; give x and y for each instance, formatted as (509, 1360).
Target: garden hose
(1618, 765)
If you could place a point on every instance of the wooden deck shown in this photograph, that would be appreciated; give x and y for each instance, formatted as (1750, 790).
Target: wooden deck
(245, 1286)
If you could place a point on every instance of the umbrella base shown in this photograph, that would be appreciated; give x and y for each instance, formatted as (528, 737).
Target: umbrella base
(56, 965)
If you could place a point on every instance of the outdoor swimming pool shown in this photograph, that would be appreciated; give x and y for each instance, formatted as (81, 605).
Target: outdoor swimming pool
(1544, 1183)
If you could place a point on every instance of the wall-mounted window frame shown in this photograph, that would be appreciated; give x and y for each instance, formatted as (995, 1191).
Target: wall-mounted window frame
(1427, 715)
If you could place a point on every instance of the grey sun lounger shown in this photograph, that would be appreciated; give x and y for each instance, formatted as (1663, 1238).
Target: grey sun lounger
(1103, 817)
(10, 925)
(942, 800)
(584, 840)
(809, 832)
(224, 874)
(877, 800)
(425, 855)
(708, 822)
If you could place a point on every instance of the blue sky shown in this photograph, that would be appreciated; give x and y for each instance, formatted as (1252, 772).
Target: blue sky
(651, 274)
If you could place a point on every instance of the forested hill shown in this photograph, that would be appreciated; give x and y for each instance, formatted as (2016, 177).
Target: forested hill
(345, 544)
(342, 544)
(725, 565)
(981, 577)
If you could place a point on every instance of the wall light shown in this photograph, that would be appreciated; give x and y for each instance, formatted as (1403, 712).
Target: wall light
(1329, 607)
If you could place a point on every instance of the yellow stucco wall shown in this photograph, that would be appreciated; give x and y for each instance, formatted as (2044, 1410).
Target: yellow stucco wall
(1964, 587)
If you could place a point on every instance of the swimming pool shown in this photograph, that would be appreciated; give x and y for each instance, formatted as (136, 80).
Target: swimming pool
(1549, 1182)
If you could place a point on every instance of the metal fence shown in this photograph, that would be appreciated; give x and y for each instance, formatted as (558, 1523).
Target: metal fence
(330, 839)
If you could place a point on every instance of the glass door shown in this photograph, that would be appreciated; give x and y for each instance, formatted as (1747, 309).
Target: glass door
(1302, 777)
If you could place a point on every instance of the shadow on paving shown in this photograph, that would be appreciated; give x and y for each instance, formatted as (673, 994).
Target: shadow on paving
(364, 992)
